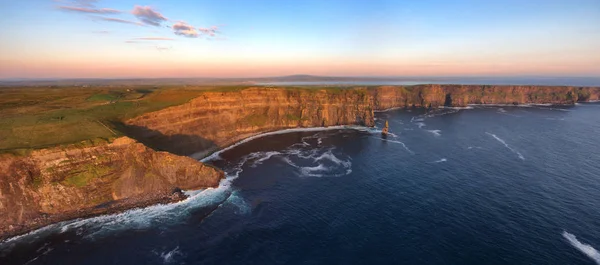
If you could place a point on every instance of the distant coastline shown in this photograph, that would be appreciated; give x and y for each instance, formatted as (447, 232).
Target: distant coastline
(308, 80)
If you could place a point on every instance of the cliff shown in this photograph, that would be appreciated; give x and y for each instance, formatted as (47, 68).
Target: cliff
(433, 96)
(56, 184)
(218, 119)
(60, 183)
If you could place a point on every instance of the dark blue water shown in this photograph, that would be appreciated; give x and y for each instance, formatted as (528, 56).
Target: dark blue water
(495, 185)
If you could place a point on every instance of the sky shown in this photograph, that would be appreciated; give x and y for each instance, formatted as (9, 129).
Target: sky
(253, 38)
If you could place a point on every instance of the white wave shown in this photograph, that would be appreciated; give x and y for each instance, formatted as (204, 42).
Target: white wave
(586, 249)
(384, 110)
(507, 146)
(536, 106)
(238, 201)
(260, 157)
(169, 257)
(441, 160)
(215, 155)
(456, 108)
(138, 218)
(437, 133)
(398, 142)
(501, 110)
(421, 124)
(474, 147)
(325, 164)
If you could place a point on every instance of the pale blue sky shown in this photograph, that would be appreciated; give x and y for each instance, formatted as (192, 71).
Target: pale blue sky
(87, 38)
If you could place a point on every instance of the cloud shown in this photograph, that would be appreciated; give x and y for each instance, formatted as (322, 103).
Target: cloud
(88, 3)
(118, 20)
(148, 16)
(89, 10)
(101, 31)
(212, 31)
(153, 38)
(183, 29)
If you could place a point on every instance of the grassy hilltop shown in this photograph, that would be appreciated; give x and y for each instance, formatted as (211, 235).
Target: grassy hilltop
(35, 117)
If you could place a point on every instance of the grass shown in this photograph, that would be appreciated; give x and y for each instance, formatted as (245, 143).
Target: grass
(89, 173)
(39, 117)
(42, 117)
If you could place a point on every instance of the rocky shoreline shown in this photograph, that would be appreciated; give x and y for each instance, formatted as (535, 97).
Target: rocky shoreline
(80, 181)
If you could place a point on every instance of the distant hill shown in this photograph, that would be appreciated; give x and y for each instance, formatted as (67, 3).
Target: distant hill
(305, 79)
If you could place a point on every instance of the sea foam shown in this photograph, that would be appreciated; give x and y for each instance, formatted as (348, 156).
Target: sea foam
(586, 249)
(506, 145)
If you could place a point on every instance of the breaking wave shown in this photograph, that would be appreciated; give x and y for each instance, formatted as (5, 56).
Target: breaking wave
(216, 155)
(318, 163)
(506, 145)
(168, 257)
(398, 142)
(437, 133)
(586, 249)
(441, 160)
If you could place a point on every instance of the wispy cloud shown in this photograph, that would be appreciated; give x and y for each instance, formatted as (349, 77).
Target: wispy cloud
(212, 31)
(153, 38)
(118, 20)
(89, 3)
(89, 10)
(101, 31)
(147, 15)
(183, 29)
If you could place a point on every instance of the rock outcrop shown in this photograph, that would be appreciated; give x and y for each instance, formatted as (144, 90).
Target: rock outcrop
(60, 183)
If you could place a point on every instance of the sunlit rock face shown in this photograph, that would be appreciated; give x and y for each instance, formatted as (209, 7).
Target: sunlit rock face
(60, 183)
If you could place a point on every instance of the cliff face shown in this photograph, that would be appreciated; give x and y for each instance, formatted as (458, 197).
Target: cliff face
(218, 119)
(55, 184)
(433, 96)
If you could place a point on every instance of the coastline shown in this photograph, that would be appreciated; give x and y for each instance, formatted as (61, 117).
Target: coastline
(120, 207)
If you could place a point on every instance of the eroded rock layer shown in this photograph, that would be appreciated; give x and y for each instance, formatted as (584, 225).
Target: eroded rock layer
(217, 119)
(55, 184)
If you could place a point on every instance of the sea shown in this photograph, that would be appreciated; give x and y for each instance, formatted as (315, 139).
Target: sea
(477, 185)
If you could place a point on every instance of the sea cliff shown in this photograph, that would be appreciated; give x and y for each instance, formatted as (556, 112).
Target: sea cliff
(59, 183)
(218, 119)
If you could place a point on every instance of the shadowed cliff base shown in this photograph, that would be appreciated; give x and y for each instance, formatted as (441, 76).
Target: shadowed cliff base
(179, 144)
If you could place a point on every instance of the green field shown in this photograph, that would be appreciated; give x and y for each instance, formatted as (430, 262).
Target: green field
(37, 117)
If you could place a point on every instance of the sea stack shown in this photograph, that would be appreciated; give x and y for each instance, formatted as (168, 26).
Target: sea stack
(385, 129)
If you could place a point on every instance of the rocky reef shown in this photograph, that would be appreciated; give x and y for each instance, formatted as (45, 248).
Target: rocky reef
(61, 183)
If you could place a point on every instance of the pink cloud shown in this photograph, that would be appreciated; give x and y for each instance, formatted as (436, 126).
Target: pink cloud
(153, 38)
(212, 31)
(148, 16)
(89, 10)
(183, 29)
(118, 20)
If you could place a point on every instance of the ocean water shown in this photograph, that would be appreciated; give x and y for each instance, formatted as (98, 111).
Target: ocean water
(487, 185)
